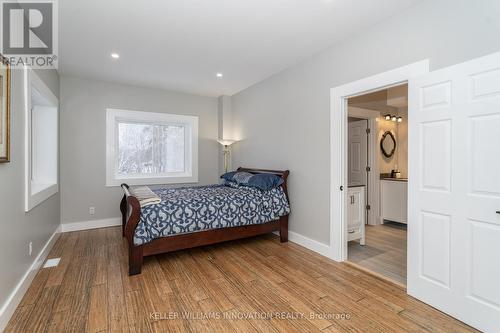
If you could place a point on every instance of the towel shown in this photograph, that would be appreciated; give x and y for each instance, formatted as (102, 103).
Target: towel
(145, 196)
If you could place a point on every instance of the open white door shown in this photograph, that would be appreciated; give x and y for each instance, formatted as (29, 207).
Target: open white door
(454, 191)
(358, 152)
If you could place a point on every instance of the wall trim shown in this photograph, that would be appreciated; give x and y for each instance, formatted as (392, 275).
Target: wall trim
(309, 243)
(93, 224)
(10, 305)
(294, 237)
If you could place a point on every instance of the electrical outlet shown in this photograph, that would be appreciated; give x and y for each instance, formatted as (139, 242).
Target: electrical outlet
(30, 248)
(92, 210)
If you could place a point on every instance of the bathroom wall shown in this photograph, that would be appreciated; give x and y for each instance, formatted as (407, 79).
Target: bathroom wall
(400, 131)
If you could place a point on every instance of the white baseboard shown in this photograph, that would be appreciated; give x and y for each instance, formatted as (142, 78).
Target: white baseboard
(85, 225)
(17, 294)
(308, 243)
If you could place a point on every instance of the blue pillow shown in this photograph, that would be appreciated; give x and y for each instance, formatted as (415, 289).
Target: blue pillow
(265, 181)
(262, 181)
(242, 177)
(229, 176)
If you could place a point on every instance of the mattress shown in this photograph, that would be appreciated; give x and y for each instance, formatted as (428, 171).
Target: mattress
(200, 208)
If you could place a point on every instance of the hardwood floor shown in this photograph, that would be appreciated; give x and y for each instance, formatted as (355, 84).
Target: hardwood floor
(285, 287)
(384, 252)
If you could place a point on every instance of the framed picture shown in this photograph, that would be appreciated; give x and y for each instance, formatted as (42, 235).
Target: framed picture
(4, 110)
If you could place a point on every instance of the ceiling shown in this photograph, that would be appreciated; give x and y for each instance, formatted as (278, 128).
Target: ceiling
(181, 44)
(387, 100)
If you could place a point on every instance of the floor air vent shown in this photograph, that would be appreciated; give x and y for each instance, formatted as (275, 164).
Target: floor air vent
(52, 262)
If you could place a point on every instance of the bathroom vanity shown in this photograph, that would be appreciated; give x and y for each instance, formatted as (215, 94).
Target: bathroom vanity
(394, 199)
(356, 210)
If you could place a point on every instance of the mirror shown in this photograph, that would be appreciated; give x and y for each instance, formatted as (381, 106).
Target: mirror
(388, 144)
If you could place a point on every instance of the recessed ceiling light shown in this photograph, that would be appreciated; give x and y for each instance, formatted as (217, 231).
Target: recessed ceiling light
(115, 55)
(219, 75)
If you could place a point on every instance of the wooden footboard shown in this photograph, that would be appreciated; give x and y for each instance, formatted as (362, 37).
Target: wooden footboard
(131, 214)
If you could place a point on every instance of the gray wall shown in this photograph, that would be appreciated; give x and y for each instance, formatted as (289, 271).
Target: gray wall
(19, 228)
(83, 140)
(284, 120)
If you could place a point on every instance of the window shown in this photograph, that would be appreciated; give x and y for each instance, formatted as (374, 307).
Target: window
(41, 136)
(150, 148)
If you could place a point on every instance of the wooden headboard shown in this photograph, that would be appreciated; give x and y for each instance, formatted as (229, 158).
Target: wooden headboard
(282, 173)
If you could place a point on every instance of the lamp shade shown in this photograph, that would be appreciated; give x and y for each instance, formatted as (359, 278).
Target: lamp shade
(226, 142)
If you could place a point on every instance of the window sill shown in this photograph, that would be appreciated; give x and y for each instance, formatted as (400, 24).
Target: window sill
(151, 180)
(39, 193)
(39, 187)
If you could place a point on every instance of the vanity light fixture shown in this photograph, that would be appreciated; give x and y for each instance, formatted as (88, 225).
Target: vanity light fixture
(115, 55)
(389, 117)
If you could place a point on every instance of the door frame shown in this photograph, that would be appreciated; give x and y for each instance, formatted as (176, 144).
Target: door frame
(338, 144)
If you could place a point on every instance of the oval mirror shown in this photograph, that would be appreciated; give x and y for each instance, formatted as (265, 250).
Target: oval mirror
(388, 144)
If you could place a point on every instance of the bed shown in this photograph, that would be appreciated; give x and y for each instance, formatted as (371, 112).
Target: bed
(195, 216)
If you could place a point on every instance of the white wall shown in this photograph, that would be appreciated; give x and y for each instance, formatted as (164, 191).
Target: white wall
(83, 140)
(284, 120)
(20, 228)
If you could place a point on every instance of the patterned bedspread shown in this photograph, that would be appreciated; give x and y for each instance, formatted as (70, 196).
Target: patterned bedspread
(192, 209)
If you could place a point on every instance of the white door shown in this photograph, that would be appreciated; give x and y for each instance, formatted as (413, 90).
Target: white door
(357, 150)
(454, 191)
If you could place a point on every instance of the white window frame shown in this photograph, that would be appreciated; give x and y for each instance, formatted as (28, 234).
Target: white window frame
(38, 192)
(190, 123)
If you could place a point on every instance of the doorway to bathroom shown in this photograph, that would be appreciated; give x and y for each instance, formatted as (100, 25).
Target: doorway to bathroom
(377, 173)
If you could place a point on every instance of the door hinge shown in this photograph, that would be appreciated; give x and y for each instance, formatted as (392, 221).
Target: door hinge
(368, 169)
(368, 131)
(368, 207)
